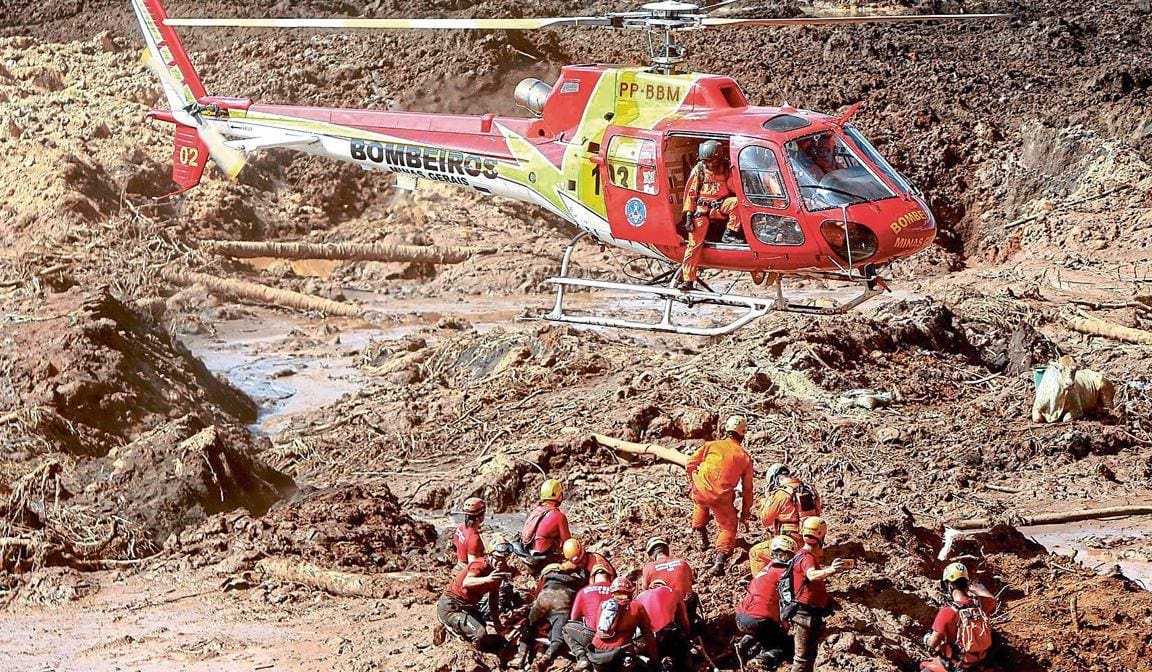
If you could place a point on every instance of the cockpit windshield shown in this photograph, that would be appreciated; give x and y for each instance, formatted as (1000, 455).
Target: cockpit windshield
(830, 174)
(877, 160)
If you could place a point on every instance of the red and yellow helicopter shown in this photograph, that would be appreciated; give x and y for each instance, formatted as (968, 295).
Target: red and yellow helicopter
(608, 149)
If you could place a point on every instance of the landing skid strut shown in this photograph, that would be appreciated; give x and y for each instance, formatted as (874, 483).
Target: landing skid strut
(754, 307)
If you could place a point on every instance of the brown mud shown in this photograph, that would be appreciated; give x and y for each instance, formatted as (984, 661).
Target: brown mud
(143, 501)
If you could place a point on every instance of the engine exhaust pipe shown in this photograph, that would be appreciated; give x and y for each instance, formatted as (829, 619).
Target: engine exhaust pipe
(531, 94)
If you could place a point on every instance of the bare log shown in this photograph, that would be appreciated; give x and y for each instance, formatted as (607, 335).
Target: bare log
(421, 254)
(251, 291)
(1095, 326)
(345, 584)
(622, 446)
(1062, 517)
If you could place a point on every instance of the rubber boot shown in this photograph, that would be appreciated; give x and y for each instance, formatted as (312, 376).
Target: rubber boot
(719, 564)
(702, 541)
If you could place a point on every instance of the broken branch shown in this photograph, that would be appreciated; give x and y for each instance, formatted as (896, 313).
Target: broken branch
(420, 254)
(1095, 326)
(251, 291)
(1064, 517)
(622, 446)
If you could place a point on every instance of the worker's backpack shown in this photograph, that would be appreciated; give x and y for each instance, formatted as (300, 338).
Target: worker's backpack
(532, 523)
(784, 586)
(806, 501)
(973, 633)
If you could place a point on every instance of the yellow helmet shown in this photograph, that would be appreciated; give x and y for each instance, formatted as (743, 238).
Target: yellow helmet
(814, 526)
(573, 549)
(955, 572)
(782, 543)
(737, 424)
(551, 490)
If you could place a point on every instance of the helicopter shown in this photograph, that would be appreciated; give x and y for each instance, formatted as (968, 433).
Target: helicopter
(609, 149)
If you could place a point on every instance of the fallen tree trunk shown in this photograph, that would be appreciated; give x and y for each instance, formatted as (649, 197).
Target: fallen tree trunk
(1095, 326)
(622, 446)
(344, 584)
(1063, 517)
(251, 291)
(421, 254)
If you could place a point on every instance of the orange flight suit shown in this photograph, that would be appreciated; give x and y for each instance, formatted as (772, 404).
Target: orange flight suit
(708, 197)
(780, 513)
(713, 471)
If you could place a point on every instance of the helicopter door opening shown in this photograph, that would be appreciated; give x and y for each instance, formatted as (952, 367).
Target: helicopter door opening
(681, 154)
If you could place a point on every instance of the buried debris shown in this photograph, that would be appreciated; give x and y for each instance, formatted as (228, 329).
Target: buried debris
(420, 254)
(252, 291)
(1095, 326)
(334, 582)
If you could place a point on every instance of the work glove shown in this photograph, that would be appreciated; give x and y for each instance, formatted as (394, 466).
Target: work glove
(684, 226)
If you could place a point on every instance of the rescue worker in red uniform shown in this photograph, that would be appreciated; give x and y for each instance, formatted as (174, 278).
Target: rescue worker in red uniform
(611, 645)
(811, 591)
(709, 196)
(458, 609)
(466, 538)
(962, 632)
(674, 572)
(576, 558)
(714, 471)
(545, 529)
(758, 615)
(669, 624)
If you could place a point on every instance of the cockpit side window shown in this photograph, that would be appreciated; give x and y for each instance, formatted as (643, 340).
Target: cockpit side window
(830, 174)
(760, 177)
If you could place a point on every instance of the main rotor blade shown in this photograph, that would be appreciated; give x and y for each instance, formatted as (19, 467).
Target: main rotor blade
(834, 20)
(397, 24)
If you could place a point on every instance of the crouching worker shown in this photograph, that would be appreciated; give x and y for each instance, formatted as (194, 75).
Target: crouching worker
(669, 619)
(611, 648)
(459, 611)
(961, 634)
(765, 635)
(585, 611)
(554, 596)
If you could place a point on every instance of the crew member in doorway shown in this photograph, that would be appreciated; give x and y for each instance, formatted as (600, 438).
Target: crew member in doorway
(709, 196)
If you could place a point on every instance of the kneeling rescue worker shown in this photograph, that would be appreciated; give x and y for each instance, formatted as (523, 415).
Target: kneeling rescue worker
(585, 610)
(545, 529)
(576, 558)
(962, 633)
(709, 195)
(789, 501)
(469, 545)
(674, 572)
(669, 624)
(611, 647)
(555, 593)
(758, 614)
(459, 607)
(714, 471)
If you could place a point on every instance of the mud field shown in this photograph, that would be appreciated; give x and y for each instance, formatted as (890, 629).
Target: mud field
(163, 451)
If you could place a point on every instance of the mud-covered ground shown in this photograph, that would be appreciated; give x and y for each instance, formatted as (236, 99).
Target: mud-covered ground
(142, 496)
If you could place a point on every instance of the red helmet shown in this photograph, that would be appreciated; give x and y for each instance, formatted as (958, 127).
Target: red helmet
(622, 584)
(474, 506)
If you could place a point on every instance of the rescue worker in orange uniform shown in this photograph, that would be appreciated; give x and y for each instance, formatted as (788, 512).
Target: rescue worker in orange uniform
(709, 196)
(578, 559)
(789, 501)
(758, 615)
(545, 529)
(961, 633)
(466, 538)
(714, 471)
